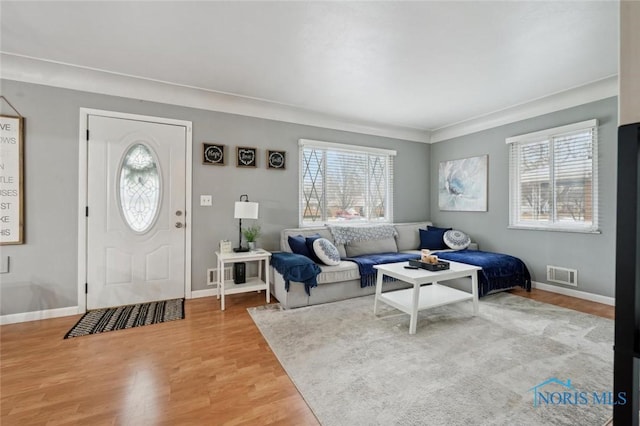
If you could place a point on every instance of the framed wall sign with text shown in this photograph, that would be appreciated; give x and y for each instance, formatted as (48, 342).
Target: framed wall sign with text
(276, 159)
(213, 154)
(246, 157)
(11, 180)
(225, 246)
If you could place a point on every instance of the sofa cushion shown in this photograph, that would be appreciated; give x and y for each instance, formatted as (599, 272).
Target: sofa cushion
(359, 248)
(344, 271)
(432, 239)
(326, 251)
(456, 240)
(408, 237)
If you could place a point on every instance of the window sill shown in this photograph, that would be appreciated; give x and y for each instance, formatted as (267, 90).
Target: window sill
(554, 229)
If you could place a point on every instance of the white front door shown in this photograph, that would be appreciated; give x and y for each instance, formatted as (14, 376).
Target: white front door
(136, 211)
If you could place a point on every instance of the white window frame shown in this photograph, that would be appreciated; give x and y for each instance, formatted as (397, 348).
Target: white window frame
(331, 146)
(515, 143)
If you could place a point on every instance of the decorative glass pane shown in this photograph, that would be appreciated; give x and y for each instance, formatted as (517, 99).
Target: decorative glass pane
(312, 185)
(139, 188)
(377, 187)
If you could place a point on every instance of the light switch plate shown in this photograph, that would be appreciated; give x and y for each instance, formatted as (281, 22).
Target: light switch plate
(206, 200)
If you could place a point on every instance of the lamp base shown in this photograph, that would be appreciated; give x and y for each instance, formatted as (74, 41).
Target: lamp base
(241, 249)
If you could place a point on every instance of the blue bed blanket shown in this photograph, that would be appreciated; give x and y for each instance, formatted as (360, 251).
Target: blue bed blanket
(499, 271)
(296, 267)
(366, 264)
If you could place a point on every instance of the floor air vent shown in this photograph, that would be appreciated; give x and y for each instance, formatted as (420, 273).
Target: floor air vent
(557, 274)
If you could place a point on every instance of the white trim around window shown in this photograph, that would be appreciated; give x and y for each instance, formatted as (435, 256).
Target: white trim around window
(345, 147)
(553, 179)
(344, 184)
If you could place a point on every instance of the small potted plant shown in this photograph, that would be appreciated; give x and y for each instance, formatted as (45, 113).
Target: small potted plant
(251, 234)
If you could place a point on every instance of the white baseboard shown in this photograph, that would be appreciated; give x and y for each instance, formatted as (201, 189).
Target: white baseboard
(575, 293)
(73, 310)
(38, 315)
(204, 293)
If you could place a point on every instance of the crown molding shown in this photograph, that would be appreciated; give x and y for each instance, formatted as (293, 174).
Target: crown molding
(33, 70)
(597, 90)
(50, 73)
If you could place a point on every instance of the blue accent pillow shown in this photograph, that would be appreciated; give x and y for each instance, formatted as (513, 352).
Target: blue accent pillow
(432, 239)
(435, 228)
(309, 242)
(299, 245)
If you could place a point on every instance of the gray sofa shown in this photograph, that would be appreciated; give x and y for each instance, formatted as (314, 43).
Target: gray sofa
(341, 281)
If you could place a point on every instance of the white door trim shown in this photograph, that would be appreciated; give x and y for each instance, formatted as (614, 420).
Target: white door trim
(82, 194)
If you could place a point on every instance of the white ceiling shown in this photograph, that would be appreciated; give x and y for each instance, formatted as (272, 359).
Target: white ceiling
(415, 65)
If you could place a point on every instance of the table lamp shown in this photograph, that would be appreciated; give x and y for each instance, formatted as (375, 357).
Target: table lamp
(244, 209)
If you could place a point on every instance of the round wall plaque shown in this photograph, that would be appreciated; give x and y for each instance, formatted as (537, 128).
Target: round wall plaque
(276, 159)
(213, 154)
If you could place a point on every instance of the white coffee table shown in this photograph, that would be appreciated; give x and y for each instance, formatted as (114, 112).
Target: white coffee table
(423, 296)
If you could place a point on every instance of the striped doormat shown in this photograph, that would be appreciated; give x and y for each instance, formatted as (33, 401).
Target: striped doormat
(121, 317)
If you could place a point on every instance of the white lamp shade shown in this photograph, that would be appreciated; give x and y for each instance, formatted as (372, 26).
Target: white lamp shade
(245, 210)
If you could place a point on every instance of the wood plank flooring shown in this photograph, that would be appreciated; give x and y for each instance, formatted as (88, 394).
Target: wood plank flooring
(581, 305)
(212, 368)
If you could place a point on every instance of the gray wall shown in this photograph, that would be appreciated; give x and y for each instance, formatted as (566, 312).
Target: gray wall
(593, 255)
(44, 270)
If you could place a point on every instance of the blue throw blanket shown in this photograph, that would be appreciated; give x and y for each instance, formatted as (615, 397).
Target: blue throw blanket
(499, 271)
(296, 267)
(366, 264)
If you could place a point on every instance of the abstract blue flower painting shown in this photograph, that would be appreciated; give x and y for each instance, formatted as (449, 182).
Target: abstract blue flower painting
(462, 184)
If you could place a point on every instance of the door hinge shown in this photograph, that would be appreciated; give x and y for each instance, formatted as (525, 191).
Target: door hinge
(87, 134)
(86, 212)
(86, 288)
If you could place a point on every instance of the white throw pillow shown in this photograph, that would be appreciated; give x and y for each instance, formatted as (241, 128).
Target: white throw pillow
(326, 252)
(456, 240)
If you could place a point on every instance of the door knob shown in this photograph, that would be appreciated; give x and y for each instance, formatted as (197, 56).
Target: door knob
(179, 224)
(179, 213)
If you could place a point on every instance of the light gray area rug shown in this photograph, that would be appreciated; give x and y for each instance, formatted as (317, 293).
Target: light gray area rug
(355, 369)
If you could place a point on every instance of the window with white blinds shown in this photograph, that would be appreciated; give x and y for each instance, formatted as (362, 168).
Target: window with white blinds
(553, 179)
(345, 183)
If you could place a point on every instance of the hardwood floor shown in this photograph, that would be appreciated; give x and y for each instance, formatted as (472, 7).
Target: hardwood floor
(213, 368)
(581, 305)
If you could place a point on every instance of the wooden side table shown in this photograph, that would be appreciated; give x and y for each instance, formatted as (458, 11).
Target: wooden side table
(252, 284)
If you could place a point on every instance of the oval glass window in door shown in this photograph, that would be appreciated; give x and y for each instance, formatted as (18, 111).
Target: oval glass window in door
(139, 187)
